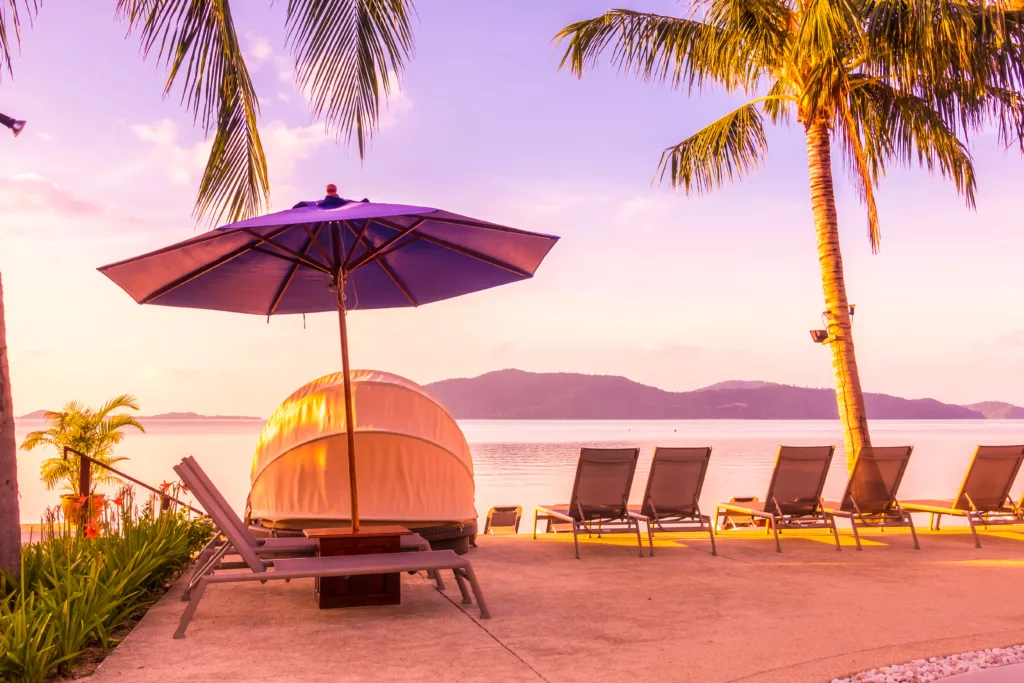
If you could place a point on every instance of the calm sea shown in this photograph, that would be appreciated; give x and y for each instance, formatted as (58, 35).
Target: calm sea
(532, 462)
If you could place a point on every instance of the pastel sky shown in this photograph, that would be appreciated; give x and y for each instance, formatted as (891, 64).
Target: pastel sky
(672, 291)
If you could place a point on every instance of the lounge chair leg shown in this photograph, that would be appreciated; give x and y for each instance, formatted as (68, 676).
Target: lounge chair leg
(208, 567)
(477, 593)
(938, 521)
(466, 600)
(711, 533)
(639, 541)
(575, 540)
(190, 609)
(913, 532)
(856, 536)
(835, 534)
(438, 581)
(650, 538)
(778, 546)
(535, 525)
(977, 540)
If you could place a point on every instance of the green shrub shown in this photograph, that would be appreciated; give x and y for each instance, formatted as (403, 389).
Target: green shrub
(76, 589)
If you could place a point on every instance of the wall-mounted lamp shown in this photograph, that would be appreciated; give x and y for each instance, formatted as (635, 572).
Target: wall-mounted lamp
(822, 337)
(852, 306)
(15, 125)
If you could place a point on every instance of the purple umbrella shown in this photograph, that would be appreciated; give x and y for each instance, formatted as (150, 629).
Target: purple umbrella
(334, 254)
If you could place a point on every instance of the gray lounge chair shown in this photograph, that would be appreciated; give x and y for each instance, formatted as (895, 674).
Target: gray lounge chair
(210, 497)
(600, 496)
(984, 497)
(671, 500)
(794, 494)
(870, 497)
(503, 517)
(319, 567)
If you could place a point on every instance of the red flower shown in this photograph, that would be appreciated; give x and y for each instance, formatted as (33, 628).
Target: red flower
(91, 531)
(81, 501)
(184, 487)
(118, 501)
(99, 500)
(165, 486)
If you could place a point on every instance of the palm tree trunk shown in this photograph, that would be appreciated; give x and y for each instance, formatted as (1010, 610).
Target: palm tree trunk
(849, 397)
(10, 529)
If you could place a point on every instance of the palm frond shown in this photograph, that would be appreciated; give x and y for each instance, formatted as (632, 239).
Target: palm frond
(901, 127)
(11, 24)
(729, 149)
(863, 172)
(762, 26)
(681, 52)
(124, 401)
(346, 52)
(197, 42)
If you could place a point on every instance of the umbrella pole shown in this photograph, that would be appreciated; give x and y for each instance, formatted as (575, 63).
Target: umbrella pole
(349, 426)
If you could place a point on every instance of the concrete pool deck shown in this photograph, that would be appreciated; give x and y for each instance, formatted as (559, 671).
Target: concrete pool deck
(750, 615)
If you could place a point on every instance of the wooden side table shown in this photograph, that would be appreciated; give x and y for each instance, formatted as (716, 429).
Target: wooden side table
(358, 591)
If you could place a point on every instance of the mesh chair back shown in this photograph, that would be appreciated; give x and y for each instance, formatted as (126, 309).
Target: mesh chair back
(798, 479)
(876, 478)
(675, 481)
(503, 517)
(190, 463)
(603, 479)
(989, 478)
(237, 539)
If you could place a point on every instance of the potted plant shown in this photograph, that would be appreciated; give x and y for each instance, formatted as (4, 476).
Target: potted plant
(88, 431)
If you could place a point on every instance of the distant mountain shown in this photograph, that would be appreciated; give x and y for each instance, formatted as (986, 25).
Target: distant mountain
(39, 414)
(520, 395)
(997, 410)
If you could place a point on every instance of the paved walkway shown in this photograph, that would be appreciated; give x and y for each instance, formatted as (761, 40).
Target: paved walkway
(749, 615)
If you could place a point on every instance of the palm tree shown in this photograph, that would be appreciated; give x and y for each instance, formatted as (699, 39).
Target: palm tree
(10, 529)
(347, 53)
(885, 81)
(92, 432)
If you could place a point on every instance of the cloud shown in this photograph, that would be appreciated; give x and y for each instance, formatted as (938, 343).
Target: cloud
(1012, 338)
(283, 96)
(258, 52)
(398, 104)
(32, 194)
(182, 163)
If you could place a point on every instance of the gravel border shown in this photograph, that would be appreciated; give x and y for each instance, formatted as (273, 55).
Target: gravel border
(936, 668)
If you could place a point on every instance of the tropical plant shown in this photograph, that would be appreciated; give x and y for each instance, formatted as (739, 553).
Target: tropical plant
(886, 81)
(347, 53)
(91, 432)
(75, 590)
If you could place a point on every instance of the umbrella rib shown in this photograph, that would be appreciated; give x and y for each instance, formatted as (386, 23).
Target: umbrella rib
(202, 270)
(284, 257)
(359, 240)
(291, 273)
(388, 270)
(299, 257)
(370, 257)
(472, 254)
(320, 247)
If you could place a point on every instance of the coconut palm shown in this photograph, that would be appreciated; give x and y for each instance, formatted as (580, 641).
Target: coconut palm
(886, 82)
(92, 432)
(347, 53)
(10, 530)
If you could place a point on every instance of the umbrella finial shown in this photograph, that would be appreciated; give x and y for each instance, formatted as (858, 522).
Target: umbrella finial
(332, 190)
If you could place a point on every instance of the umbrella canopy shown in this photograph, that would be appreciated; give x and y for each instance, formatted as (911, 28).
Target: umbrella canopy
(334, 254)
(388, 255)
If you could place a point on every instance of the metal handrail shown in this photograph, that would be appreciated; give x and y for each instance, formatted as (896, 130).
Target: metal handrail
(85, 473)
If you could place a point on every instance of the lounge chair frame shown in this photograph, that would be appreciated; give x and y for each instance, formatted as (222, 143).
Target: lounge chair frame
(431, 561)
(1007, 513)
(890, 514)
(807, 513)
(210, 497)
(584, 517)
(686, 518)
